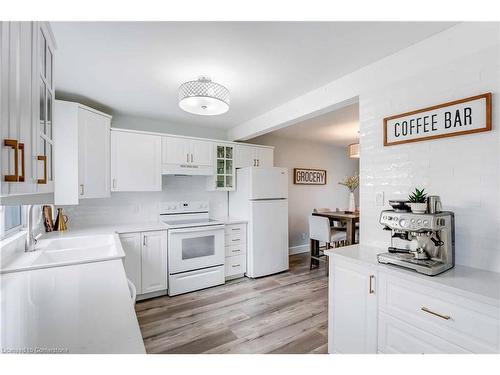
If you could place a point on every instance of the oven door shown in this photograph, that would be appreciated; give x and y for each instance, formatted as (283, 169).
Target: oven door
(195, 248)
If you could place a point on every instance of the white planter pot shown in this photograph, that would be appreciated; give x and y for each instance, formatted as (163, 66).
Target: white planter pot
(418, 208)
(352, 202)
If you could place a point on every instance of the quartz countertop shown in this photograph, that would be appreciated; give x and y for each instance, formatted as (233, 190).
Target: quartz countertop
(228, 220)
(108, 228)
(467, 281)
(84, 308)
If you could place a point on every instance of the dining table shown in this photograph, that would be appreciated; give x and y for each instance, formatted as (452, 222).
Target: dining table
(349, 218)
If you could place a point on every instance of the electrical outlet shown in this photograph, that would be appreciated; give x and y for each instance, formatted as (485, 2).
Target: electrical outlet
(379, 198)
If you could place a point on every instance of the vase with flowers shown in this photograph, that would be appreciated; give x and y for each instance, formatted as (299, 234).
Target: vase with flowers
(352, 183)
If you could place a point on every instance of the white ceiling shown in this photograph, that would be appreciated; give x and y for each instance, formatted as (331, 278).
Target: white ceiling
(136, 67)
(339, 128)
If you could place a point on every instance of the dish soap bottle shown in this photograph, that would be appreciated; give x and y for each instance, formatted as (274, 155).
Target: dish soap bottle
(61, 221)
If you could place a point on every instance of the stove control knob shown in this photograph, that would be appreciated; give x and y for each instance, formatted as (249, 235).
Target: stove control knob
(419, 221)
(426, 222)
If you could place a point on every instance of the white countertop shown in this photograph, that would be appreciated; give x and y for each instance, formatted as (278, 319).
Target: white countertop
(110, 228)
(228, 220)
(467, 281)
(83, 308)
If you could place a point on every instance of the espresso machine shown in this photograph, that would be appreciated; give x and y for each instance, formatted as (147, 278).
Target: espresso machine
(421, 242)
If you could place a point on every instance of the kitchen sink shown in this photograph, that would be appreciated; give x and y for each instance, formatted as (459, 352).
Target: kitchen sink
(66, 251)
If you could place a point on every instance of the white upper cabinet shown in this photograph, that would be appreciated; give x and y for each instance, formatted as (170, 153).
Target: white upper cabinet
(27, 55)
(253, 156)
(135, 161)
(187, 156)
(83, 153)
(201, 152)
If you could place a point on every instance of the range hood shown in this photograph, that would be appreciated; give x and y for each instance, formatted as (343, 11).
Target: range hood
(187, 170)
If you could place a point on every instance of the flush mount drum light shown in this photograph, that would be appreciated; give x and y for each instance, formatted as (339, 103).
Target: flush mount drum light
(203, 97)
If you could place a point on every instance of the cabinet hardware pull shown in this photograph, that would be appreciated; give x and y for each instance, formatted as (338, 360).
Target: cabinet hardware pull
(14, 145)
(236, 265)
(372, 277)
(81, 189)
(445, 317)
(236, 239)
(21, 178)
(191, 158)
(187, 158)
(235, 251)
(258, 163)
(144, 241)
(235, 228)
(114, 183)
(44, 159)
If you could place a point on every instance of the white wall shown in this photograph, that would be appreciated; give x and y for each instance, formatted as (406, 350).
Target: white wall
(152, 125)
(302, 199)
(465, 170)
(137, 207)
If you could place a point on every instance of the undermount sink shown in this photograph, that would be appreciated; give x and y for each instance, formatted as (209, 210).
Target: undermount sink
(67, 251)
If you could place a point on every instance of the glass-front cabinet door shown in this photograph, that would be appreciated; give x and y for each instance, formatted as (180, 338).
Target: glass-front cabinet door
(224, 177)
(45, 144)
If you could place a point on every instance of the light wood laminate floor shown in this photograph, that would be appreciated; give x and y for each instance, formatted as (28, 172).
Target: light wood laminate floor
(283, 313)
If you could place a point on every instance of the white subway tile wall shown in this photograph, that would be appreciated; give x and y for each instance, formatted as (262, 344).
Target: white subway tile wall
(463, 170)
(140, 207)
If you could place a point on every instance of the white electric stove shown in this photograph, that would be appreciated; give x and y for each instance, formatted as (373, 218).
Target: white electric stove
(195, 247)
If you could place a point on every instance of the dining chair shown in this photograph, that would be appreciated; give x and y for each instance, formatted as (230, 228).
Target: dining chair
(321, 231)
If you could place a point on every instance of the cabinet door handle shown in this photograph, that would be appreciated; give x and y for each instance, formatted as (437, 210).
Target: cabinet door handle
(187, 158)
(114, 183)
(258, 162)
(82, 190)
(445, 317)
(44, 159)
(192, 158)
(371, 290)
(235, 251)
(236, 239)
(236, 265)
(21, 178)
(12, 143)
(235, 228)
(144, 241)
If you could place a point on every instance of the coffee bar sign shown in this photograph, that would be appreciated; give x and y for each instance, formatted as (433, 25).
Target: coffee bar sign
(303, 176)
(464, 116)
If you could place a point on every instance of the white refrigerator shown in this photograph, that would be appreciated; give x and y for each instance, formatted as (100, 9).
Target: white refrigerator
(261, 198)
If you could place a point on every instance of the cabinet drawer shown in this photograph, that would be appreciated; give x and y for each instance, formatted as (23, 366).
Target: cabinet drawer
(468, 323)
(395, 336)
(235, 229)
(236, 265)
(236, 239)
(234, 250)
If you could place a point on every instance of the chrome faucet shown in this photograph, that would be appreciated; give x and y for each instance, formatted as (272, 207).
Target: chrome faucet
(33, 233)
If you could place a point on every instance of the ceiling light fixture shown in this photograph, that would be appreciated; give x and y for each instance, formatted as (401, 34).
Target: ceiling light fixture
(203, 97)
(353, 151)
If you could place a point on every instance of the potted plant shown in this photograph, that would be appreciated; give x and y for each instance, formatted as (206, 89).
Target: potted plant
(352, 183)
(418, 201)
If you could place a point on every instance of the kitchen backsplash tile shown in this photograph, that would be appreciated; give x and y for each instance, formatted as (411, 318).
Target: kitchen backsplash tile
(123, 208)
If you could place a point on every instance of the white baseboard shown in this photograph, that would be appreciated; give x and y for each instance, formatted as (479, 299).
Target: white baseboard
(298, 249)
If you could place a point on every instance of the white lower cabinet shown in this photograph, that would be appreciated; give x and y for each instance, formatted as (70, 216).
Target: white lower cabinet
(398, 337)
(352, 308)
(146, 261)
(236, 250)
(374, 309)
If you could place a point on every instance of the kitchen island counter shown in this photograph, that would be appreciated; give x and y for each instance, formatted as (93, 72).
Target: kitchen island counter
(84, 308)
